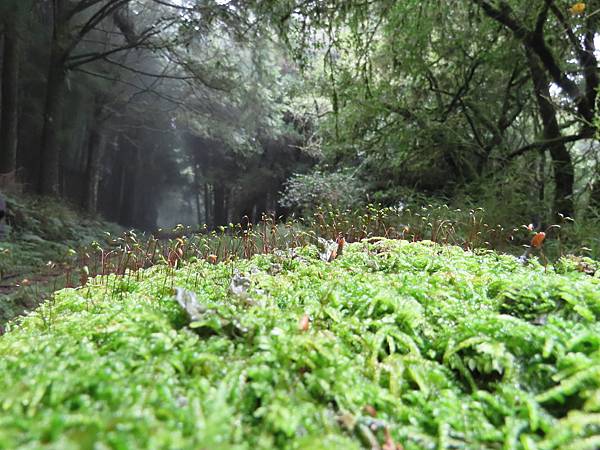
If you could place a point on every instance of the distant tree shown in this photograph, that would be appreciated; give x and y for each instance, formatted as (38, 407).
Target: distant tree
(72, 23)
(239, 123)
(438, 94)
(12, 13)
(558, 45)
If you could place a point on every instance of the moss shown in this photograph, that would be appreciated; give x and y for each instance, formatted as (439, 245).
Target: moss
(448, 348)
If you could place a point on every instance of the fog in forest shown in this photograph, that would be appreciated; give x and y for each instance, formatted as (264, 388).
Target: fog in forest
(153, 113)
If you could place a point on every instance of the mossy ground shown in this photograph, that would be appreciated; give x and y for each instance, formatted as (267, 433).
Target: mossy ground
(40, 238)
(450, 349)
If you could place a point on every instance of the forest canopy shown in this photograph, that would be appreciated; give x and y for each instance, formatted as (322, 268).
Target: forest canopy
(154, 112)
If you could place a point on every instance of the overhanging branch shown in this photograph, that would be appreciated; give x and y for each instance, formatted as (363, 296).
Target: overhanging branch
(542, 144)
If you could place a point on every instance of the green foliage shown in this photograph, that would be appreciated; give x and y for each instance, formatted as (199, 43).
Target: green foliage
(438, 95)
(306, 192)
(33, 218)
(451, 349)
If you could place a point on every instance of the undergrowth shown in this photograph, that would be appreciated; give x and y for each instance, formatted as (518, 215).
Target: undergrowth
(47, 249)
(39, 246)
(439, 224)
(390, 345)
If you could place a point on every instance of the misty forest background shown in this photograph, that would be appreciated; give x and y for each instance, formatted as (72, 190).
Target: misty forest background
(158, 112)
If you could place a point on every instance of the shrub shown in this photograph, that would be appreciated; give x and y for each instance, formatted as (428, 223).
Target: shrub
(306, 192)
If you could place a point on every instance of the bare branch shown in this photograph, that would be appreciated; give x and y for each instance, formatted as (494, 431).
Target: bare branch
(96, 18)
(542, 144)
(85, 58)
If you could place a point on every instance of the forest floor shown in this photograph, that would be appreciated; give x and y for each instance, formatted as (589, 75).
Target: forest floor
(276, 338)
(40, 240)
(390, 345)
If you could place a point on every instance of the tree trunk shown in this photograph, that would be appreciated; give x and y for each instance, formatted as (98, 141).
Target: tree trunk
(10, 99)
(541, 175)
(198, 204)
(197, 194)
(564, 180)
(207, 204)
(131, 185)
(118, 206)
(260, 207)
(561, 158)
(226, 206)
(50, 149)
(220, 214)
(95, 153)
(595, 195)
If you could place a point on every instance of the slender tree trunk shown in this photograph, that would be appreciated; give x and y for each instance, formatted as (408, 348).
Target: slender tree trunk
(50, 149)
(207, 203)
(245, 209)
(198, 206)
(197, 194)
(564, 180)
(10, 99)
(595, 195)
(118, 207)
(226, 206)
(220, 214)
(132, 171)
(260, 207)
(541, 175)
(95, 152)
(561, 158)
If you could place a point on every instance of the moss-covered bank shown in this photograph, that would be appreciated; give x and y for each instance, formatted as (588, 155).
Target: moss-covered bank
(447, 349)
